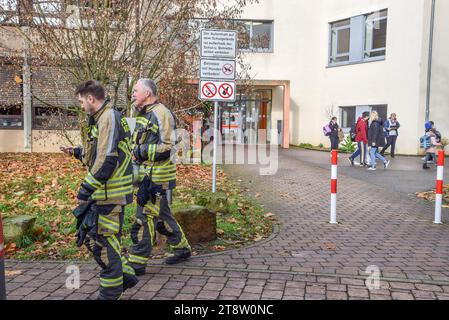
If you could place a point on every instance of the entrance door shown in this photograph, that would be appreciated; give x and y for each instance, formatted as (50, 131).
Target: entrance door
(247, 120)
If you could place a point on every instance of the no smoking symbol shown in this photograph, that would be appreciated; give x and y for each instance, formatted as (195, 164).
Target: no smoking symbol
(209, 90)
(226, 91)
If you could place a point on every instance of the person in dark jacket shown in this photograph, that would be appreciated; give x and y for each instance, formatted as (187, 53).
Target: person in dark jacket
(333, 136)
(391, 129)
(108, 185)
(376, 140)
(362, 140)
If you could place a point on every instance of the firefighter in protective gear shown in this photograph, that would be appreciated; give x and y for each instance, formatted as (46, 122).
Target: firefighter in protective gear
(152, 147)
(108, 184)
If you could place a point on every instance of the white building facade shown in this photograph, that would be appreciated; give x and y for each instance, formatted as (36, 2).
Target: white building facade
(343, 57)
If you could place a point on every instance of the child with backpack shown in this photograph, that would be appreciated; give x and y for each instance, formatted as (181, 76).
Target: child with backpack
(429, 142)
(332, 130)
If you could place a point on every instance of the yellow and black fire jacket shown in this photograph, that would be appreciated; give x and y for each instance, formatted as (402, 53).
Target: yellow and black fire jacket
(107, 155)
(153, 143)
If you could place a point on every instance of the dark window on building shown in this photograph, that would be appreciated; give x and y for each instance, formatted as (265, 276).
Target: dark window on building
(255, 35)
(51, 118)
(376, 34)
(350, 114)
(359, 39)
(347, 117)
(340, 41)
(11, 117)
(381, 110)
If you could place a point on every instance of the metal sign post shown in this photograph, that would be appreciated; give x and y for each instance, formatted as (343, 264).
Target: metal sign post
(217, 76)
(214, 165)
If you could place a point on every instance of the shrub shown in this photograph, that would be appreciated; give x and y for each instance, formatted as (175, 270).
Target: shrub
(347, 145)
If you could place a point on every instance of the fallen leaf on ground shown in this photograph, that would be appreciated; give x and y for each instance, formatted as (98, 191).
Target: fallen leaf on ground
(330, 246)
(11, 273)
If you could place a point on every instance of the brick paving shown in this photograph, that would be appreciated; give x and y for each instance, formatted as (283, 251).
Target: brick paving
(305, 258)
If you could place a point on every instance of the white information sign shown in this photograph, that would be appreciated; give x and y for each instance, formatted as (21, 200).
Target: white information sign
(218, 44)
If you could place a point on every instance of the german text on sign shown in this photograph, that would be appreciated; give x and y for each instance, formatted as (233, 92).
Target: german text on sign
(217, 69)
(218, 44)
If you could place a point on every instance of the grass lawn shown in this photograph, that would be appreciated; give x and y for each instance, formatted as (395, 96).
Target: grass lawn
(45, 186)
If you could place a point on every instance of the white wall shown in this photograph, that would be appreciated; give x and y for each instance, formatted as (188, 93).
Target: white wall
(11, 140)
(439, 102)
(301, 45)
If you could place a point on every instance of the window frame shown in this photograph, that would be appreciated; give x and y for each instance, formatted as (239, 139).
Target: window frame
(331, 31)
(64, 115)
(358, 55)
(251, 48)
(370, 106)
(365, 51)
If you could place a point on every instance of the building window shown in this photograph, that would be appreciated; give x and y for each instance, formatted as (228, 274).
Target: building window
(359, 39)
(350, 115)
(347, 117)
(340, 41)
(376, 34)
(52, 118)
(256, 36)
(9, 12)
(11, 117)
(47, 12)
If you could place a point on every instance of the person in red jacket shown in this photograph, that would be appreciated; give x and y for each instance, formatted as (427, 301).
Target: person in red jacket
(361, 139)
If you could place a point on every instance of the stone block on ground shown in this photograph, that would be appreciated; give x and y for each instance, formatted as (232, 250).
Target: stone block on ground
(15, 227)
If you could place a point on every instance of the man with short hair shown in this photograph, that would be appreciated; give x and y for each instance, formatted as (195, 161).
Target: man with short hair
(107, 189)
(152, 148)
(391, 129)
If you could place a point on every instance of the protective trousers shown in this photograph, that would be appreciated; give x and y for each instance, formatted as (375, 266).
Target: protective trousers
(155, 216)
(105, 243)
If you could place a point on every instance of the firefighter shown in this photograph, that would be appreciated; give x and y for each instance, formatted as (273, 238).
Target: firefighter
(152, 148)
(106, 190)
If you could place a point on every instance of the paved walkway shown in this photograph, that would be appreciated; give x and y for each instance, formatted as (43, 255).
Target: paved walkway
(306, 258)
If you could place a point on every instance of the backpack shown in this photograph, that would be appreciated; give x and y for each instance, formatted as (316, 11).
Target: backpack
(425, 142)
(327, 130)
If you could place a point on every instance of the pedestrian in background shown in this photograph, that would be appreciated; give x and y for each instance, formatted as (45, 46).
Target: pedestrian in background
(432, 149)
(333, 136)
(391, 130)
(361, 138)
(376, 140)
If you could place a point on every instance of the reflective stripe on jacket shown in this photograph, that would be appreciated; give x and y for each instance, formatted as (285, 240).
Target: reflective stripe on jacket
(152, 141)
(107, 155)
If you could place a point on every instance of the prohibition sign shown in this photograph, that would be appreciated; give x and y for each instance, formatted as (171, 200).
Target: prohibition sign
(209, 90)
(225, 91)
(228, 69)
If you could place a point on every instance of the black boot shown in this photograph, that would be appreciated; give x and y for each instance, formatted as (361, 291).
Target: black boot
(179, 256)
(139, 269)
(129, 281)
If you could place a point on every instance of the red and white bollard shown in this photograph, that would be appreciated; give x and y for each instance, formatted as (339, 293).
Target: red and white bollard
(334, 187)
(2, 263)
(439, 189)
